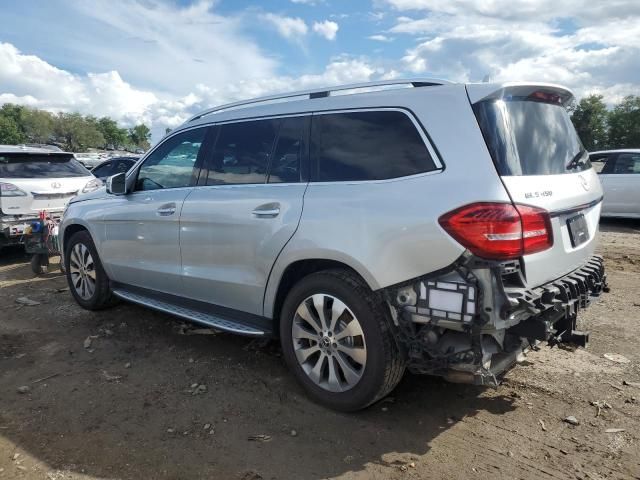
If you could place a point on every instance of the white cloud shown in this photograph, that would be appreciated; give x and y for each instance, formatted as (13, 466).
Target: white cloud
(579, 44)
(161, 45)
(327, 29)
(380, 38)
(29, 80)
(288, 27)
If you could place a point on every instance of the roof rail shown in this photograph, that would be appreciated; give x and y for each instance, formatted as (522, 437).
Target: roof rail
(323, 92)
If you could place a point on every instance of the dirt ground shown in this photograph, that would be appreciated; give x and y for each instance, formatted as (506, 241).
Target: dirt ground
(119, 394)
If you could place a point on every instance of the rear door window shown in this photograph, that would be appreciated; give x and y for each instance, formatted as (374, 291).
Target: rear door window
(242, 152)
(373, 145)
(289, 152)
(103, 170)
(527, 137)
(24, 165)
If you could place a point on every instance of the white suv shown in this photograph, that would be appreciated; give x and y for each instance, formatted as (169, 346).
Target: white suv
(416, 224)
(36, 179)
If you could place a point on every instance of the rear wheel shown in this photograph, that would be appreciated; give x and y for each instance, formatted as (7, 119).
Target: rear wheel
(336, 338)
(87, 279)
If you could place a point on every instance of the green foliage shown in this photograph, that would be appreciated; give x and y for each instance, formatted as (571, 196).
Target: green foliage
(624, 123)
(590, 119)
(77, 133)
(9, 132)
(37, 125)
(114, 136)
(71, 131)
(140, 136)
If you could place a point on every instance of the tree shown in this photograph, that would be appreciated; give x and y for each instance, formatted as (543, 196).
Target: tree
(76, 132)
(624, 124)
(9, 131)
(140, 136)
(590, 120)
(114, 136)
(37, 125)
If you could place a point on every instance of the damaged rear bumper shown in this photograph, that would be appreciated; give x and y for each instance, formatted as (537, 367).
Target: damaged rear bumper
(472, 322)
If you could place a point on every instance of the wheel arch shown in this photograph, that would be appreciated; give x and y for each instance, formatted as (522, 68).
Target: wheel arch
(284, 277)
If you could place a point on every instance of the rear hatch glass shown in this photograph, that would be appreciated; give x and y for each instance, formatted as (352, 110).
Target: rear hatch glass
(528, 137)
(40, 166)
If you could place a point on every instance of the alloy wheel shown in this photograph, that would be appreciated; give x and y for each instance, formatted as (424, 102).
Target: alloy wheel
(329, 343)
(82, 271)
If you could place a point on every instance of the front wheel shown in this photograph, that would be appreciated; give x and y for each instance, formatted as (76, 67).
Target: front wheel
(87, 280)
(337, 340)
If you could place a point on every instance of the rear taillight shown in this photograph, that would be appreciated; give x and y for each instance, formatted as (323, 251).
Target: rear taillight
(499, 231)
(10, 190)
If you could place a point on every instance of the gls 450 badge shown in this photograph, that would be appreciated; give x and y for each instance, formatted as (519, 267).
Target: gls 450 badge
(544, 193)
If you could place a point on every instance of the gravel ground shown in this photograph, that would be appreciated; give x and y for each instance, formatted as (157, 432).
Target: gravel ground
(125, 393)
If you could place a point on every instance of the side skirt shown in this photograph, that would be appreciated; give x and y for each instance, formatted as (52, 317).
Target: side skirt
(214, 316)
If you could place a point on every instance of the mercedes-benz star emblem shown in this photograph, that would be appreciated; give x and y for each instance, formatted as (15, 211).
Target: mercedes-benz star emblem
(56, 185)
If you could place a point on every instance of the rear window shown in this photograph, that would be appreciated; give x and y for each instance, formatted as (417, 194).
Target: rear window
(527, 137)
(40, 166)
(368, 146)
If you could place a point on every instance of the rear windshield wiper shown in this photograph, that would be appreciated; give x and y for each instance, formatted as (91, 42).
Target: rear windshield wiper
(576, 161)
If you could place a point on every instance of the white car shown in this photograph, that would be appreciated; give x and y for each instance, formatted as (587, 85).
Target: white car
(619, 172)
(33, 180)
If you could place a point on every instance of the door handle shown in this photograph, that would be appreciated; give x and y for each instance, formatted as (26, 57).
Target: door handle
(166, 209)
(269, 210)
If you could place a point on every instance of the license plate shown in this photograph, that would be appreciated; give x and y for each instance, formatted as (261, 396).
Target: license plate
(578, 230)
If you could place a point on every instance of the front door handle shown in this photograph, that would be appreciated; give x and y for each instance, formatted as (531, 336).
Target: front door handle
(268, 210)
(167, 209)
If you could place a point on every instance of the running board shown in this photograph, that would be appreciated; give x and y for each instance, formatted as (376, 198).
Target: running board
(197, 316)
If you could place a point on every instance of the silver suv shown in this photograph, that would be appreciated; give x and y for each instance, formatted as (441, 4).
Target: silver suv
(424, 225)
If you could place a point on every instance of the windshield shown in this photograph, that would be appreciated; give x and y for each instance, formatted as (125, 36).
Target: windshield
(527, 137)
(40, 166)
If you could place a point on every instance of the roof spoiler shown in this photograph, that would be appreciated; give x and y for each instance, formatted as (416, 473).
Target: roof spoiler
(479, 92)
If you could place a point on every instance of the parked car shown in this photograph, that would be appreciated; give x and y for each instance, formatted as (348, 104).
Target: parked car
(89, 159)
(36, 179)
(619, 172)
(113, 166)
(442, 228)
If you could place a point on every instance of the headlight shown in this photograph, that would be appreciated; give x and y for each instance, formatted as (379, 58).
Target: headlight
(92, 185)
(10, 190)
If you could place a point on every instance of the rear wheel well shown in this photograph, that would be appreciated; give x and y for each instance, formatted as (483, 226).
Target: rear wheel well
(296, 272)
(70, 231)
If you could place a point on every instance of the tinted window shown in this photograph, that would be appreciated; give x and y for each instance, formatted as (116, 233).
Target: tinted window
(103, 170)
(242, 152)
(121, 166)
(627, 163)
(171, 165)
(40, 166)
(530, 138)
(368, 146)
(287, 157)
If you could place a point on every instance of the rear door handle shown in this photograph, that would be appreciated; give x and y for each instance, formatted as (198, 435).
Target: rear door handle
(269, 210)
(167, 209)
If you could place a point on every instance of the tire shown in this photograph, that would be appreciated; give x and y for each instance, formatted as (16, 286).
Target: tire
(330, 376)
(81, 277)
(39, 263)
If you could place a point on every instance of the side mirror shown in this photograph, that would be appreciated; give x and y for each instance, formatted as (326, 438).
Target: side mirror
(116, 184)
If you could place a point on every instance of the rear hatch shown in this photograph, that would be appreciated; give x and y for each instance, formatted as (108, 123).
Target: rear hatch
(542, 163)
(32, 182)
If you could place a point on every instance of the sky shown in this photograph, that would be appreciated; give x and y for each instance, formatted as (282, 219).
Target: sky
(161, 61)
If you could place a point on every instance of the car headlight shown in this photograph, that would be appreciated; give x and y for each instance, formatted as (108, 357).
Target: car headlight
(92, 185)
